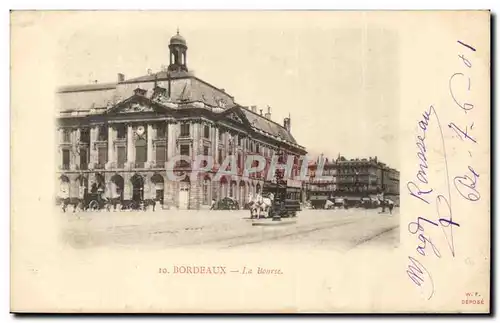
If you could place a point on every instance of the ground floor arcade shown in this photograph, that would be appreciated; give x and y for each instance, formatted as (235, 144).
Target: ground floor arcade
(150, 185)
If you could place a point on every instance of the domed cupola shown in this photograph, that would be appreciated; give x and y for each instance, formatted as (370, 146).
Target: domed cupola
(178, 56)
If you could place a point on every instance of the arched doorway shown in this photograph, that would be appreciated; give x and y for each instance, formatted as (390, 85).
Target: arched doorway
(99, 185)
(137, 188)
(206, 190)
(159, 185)
(64, 187)
(243, 196)
(184, 187)
(116, 186)
(257, 189)
(232, 190)
(223, 187)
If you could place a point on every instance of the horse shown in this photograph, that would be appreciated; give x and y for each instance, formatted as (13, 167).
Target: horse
(260, 204)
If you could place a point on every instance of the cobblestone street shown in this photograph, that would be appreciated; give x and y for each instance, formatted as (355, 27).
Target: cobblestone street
(342, 230)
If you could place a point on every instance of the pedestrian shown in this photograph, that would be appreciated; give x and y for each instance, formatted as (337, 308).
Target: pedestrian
(391, 206)
(212, 206)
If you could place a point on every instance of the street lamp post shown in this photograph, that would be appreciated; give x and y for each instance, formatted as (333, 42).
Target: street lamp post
(383, 191)
(278, 176)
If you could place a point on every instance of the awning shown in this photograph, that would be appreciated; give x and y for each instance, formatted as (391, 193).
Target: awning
(318, 198)
(350, 198)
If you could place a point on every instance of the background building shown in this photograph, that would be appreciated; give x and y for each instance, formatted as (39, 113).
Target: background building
(318, 190)
(118, 137)
(352, 179)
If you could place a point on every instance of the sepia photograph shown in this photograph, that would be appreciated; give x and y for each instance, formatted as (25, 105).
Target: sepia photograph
(280, 161)
(166, 158)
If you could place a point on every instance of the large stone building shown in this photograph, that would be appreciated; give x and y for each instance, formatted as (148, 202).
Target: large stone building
(120, 137)
(352, 178)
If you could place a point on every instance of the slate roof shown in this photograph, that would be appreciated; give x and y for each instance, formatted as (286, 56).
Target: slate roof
(87, 87)
(260, 122)
(84, 100)
(184, 88)
(162, 75)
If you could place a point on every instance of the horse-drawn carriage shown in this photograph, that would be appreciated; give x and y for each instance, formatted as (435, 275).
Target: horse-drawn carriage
(276, 199)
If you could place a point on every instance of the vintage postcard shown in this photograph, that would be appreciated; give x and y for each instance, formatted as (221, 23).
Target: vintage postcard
(250, 162)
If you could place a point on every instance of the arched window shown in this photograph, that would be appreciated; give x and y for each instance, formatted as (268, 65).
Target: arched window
(116, 186)
(158, 182)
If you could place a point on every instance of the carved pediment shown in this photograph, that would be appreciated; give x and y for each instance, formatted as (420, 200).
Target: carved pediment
(134, 107)
(235, 117)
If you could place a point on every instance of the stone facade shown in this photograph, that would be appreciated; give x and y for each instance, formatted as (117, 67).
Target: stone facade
(352, 177)
(123, 139)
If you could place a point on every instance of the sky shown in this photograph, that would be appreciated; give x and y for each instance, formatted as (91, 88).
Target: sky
(337, 78)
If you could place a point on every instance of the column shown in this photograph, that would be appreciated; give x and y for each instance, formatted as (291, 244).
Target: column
(127, 187)
(196, 139)
(92, 148)
(72, 155)
(150, 158)
(171, 140)
(216, 146)
(195, 195)
(130, 147)
(77, 148)
(59, 140)
(111, 147)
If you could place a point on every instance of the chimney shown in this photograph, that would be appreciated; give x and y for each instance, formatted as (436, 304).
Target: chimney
(254, 108)
(140, 92)
(159, 91)
(121, 77)
(286, 124)
(268, 114)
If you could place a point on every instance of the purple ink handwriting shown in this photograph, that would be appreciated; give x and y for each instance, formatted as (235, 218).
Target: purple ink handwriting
(433, 186)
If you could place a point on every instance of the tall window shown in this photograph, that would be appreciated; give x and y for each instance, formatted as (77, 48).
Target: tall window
(85, 135)
(121, 156)
(102, 155)
(83, 158)
(185, 130)
(121, 131)
(66, 135)
(239, 141)
(161, 131)
(185, 150)
(141, 152)
(65, 158)
(102, 133)
(206, 132)
(160, 155)
(220, 134)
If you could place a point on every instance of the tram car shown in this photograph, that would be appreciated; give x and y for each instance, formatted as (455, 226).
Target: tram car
(286, 194)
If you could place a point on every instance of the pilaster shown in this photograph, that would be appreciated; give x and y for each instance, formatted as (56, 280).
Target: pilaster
(150, 156)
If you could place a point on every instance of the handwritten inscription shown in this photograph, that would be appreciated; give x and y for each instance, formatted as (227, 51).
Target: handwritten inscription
(425, 188)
